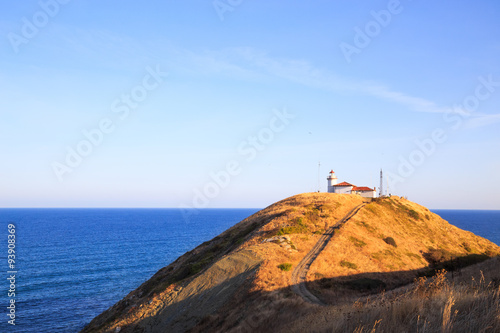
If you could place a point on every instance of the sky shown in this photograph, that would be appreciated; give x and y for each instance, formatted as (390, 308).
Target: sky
(237, 103)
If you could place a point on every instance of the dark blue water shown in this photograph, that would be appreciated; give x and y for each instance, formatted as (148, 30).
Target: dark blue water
(72, 264)
(484, 223)
(75, 263)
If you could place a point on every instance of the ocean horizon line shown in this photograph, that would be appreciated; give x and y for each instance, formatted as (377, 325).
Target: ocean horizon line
(214, 208)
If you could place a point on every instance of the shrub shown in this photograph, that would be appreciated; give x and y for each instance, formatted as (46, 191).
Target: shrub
(357, 242)
(390, 241)
(367, 226)
(438, 256)
(313, 215)
(414, 255)
(490, 253)
(466, 247)
(285, 266)
(298, 228)
(413, 214)
(348, 264)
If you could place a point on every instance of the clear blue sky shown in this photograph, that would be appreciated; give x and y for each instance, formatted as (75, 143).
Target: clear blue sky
(363, 82)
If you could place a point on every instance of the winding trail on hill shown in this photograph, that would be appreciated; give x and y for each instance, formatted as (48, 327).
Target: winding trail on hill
(299, 274)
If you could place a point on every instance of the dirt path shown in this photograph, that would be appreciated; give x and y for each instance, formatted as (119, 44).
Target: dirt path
(300, 272)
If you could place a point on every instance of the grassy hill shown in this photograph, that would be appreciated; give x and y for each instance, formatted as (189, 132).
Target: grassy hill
(390, 252)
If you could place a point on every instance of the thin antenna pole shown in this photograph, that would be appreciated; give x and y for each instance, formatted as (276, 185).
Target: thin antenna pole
(381, 193)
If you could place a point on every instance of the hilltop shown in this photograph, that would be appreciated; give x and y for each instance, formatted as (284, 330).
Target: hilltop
(309, 262)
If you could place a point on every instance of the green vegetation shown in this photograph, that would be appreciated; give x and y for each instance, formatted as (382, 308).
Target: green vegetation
(298, 228)
(313, 216)
(316, 213)
(285, 266)
(466, 247)
(387, 254)
(398, 207)
(357, 242)
(414, 255)
(198, 266)
(348, 264)
(413, 214)
(390, 241)
(368, 227)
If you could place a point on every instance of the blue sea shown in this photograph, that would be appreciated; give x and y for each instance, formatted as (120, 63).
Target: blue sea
(72, 264)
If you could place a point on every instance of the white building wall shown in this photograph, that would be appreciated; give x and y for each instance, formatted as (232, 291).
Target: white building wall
(331, 188)
(367, 194)
(343, 189)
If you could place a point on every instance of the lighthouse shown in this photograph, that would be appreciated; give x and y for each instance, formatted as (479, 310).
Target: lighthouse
(347, 188)
(332, 180)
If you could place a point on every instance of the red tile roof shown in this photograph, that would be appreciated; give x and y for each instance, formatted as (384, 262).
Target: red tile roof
(362, 188)
(344, 184)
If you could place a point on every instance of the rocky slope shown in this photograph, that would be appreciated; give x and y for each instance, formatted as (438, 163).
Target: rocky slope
(241, 281)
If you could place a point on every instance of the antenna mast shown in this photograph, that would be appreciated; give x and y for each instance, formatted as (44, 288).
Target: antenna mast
(381, 188)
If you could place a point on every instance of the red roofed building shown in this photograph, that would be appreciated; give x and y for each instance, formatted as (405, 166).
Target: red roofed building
(343, 187)
(347, 188)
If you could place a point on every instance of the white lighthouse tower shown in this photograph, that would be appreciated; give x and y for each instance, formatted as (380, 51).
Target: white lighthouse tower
(332, 180)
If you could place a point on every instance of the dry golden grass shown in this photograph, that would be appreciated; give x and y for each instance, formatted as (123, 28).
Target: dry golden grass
(358, 249)
(452, 309)
(318, 211)
(469, 302)
(415, 229)
(359, 252)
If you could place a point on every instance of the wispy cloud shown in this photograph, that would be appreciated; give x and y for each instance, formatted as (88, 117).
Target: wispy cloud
(241, 63)
(305, 73)
(414, 103)
(482, 120)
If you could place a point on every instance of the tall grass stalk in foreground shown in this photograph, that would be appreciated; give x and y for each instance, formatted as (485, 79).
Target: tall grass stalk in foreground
(432, 305)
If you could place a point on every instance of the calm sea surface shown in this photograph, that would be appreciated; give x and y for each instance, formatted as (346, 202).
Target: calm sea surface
(75, 263)
(484, 223)
(72, 264)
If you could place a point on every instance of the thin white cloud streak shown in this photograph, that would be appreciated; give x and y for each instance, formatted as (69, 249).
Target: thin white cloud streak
(243, 63)
(482, 120)
(302, 72)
